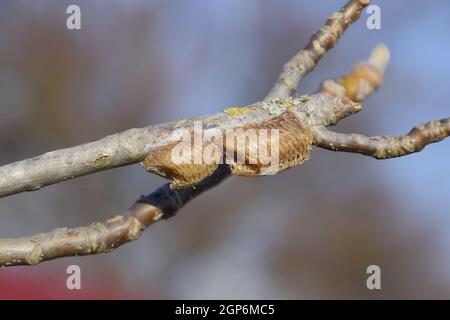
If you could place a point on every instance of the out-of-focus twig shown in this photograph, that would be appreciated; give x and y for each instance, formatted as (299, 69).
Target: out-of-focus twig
(365, 77)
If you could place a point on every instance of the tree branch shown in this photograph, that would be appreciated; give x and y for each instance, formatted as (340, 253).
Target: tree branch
(135, 145)
(323, 40)
(163, 203)
(113, 151)
(364, 79)
(385, 147)
(314, 112)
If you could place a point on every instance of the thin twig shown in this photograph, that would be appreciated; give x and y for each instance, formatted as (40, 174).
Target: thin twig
(385, 147)
(323, 40)
(364, 79)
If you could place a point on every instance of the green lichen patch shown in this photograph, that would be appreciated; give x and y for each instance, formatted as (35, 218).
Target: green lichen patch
(237, 111)
(102, 160)
(278, 106)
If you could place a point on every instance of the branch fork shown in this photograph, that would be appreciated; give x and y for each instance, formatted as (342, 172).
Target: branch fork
(305, 121)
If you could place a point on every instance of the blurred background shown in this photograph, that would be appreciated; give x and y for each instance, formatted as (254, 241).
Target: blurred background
(309, 232)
